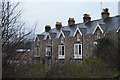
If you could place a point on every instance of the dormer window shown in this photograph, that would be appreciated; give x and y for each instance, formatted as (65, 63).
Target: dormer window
(62, 39)
(77, 34)
(78, 37)
(49, 41)
(98, 33)
(47, 37)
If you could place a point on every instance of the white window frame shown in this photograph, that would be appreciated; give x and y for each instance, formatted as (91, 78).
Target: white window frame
(48, 49)
(60, 56)
(77, 56)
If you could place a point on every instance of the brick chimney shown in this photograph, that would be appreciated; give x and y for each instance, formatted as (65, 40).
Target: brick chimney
(47, 28)
(86, 18)
(105, 14)
(71, 21)
(58, 25)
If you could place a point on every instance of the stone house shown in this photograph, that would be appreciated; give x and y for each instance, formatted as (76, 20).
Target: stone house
(74, 42)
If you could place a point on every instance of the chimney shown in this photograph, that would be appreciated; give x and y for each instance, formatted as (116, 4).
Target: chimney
(86, 18)
(105, 14)
(47, 28)
(71, 21)
(58, 25)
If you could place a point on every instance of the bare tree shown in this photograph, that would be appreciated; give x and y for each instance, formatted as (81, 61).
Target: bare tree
(13, 30)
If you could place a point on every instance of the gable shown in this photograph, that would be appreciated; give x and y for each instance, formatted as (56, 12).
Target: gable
(98, 28)
(77, 31)
(61, 34)
(36, 38)
(47, 36)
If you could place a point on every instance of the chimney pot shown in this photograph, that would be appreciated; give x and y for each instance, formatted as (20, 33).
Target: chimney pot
(86, 18)
(105, 10)
(105, 14)
(58, 25)
(71, 21)
(47, 28)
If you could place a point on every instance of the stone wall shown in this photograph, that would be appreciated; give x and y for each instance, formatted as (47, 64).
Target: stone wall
(87, 42)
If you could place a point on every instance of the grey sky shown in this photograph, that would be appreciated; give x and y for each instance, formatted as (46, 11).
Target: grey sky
(49, 12)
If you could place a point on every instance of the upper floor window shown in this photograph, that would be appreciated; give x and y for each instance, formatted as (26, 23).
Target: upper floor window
(49, 41)
(78, 51)
(98, 33)
(62, 39)
(61, 51)
(78, 37)
(48, 51)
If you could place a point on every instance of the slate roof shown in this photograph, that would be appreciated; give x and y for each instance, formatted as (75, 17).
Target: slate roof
(83, 30)
(66, 33)
(53, 35)
(40, 37)
(110, 24)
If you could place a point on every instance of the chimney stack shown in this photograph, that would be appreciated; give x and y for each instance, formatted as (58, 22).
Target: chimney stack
(58, 25)
(71, 21)
(47, 28)
(86, 18)
(105, 14)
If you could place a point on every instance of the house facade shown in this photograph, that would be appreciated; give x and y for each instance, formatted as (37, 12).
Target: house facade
(74, 42)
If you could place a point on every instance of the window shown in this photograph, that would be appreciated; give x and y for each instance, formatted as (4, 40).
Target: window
(37, 51)
(61, 51)
(78, 51)
(78, 37)
(49, 41)
(98, 34)
(62, 39)
(48, 51)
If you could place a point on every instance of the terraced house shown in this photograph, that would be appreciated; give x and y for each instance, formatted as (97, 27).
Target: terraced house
(74, 42)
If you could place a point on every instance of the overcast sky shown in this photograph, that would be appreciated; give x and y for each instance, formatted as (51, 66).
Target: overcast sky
(43, 13)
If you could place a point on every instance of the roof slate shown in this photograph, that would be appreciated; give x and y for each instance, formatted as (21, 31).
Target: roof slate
(66, 33)
(110, 24)
(40, 37)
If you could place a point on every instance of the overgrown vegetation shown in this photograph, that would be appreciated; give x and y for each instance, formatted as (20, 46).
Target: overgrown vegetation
(106, 50)
(90, 68)
(26, 71)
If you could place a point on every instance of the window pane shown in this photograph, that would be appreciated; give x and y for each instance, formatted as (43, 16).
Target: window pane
(79, 49)
(48, 51)
(62, 39)
(76, 49)
(62, 50)
(59, 50)
(78, 37)
(98, 33)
